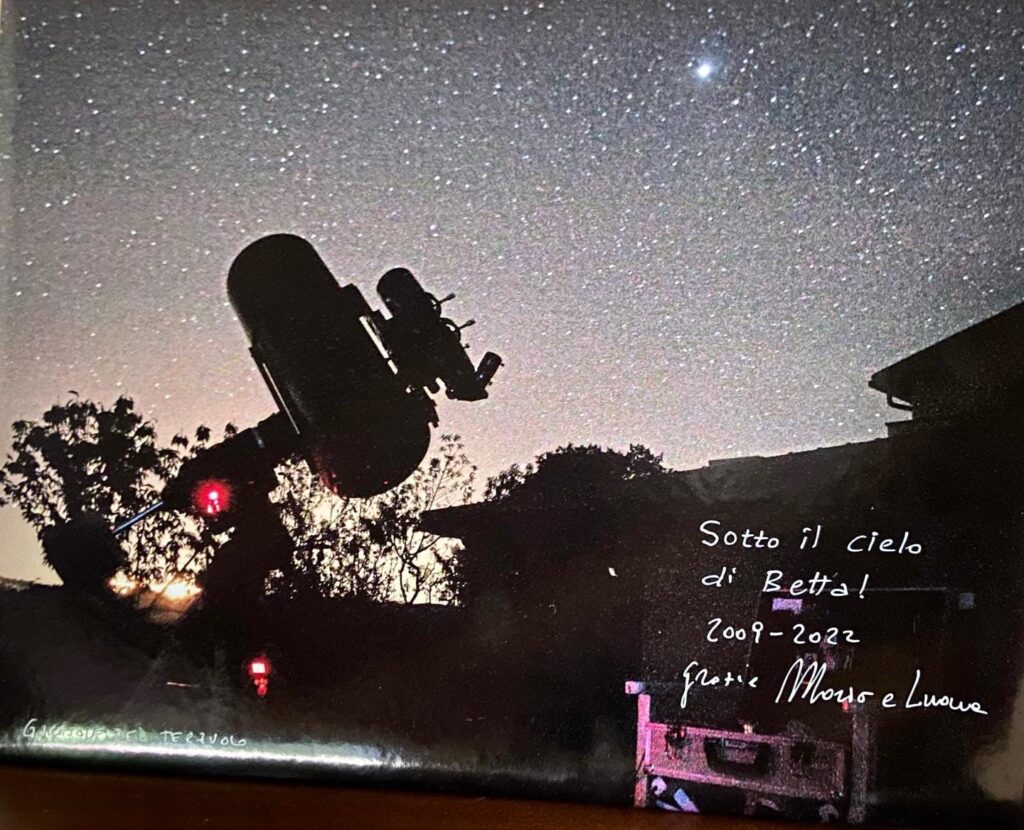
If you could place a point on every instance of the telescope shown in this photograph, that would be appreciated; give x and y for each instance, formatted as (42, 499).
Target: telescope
(352, 385)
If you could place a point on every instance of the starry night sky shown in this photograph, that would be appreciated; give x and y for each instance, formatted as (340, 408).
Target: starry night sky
(696, 226)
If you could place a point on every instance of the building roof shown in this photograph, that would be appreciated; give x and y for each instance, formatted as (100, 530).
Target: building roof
(988, 355)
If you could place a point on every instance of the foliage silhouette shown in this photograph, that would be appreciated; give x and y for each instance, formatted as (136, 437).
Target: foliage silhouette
(565, 501)
(573, 472)
(83, 463)
(372, 549)
(83, 466)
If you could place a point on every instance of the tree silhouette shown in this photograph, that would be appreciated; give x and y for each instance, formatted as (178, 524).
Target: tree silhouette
(569, 500)
(82, 457)
(94, 466)
(573, 471)
(372, 548)
(85, 462)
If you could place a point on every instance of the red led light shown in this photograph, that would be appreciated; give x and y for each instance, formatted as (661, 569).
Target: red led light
(259, 671)
(212, 497)
(259, 667)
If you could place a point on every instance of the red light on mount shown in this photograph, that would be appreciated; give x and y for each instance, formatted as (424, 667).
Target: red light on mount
(211, 498)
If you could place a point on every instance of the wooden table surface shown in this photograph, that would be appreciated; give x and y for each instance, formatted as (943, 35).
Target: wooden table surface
(39, 799)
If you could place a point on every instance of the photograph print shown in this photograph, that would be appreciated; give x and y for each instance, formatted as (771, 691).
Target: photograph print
(600, 401)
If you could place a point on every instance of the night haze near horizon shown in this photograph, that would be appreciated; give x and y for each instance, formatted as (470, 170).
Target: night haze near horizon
(699, 227)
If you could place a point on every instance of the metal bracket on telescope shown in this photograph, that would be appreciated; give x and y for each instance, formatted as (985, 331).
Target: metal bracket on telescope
(138, 517)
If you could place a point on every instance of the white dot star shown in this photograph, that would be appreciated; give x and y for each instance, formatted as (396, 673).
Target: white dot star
(704, 70)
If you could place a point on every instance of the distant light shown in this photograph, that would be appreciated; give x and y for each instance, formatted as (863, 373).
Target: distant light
(704, 70)
(122, 584)
(174, 589)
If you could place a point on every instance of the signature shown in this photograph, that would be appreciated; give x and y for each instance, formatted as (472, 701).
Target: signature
(807, 681)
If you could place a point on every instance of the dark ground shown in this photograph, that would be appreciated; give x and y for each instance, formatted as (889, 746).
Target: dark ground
(397, 694)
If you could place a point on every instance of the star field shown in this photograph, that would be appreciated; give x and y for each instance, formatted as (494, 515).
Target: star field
(700, 227)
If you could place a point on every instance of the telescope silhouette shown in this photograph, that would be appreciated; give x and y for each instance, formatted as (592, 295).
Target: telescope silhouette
(352, 385)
